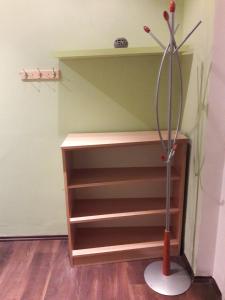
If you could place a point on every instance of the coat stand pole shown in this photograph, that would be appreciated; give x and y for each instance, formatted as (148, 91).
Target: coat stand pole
(166, 277)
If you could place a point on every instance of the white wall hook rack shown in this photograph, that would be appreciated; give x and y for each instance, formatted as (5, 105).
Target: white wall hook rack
(37, 74)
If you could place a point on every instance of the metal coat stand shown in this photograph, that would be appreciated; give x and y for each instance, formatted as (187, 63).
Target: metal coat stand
(166, 277)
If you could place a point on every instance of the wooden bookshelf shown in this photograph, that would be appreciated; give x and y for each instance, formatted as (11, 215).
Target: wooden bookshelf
(104, 228)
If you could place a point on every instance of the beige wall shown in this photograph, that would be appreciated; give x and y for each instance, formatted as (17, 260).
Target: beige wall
(211, 238)
(219, 260)
(195, 112)
(35, 117)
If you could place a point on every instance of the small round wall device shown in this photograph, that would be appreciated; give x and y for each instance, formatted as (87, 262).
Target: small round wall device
(121, 43)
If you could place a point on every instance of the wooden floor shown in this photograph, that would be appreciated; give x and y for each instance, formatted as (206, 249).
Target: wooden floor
(36, 270)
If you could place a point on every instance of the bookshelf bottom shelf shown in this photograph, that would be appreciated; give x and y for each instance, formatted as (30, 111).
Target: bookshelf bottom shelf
(115, 244)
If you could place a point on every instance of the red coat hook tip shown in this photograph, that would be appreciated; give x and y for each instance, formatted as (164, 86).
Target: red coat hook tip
(172, 6)
(147, 29)
(166, 15)
(163, 158)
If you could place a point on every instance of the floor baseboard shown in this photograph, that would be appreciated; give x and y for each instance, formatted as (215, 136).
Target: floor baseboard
(33, 238)
(187, 266)
(209, 280)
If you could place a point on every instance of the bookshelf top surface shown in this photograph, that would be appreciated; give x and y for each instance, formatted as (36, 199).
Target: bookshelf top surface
(86, 140)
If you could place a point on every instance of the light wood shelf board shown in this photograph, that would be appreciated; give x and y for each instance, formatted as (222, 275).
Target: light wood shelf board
(107, 139)
(92, 210)
(119, 248)
(95, 218)
(121, 256)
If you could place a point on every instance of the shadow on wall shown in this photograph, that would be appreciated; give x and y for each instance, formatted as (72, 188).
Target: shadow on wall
(197, 134)
(186, 65)
(113, 94)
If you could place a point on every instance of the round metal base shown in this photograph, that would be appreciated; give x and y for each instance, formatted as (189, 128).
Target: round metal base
(175, 284)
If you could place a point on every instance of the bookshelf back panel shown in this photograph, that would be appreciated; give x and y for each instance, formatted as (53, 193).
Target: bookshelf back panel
(126, 190)
(138, 221)
(120, 156)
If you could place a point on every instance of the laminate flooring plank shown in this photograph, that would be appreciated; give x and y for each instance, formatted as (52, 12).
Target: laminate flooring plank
(15, 270)
(64, 281)
(40, 267)
(124, 289)
(108, 282)
(6, 250)
(135, 272)
(90, 284)
(138, 287)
